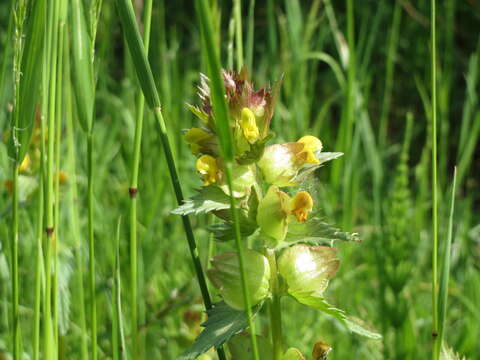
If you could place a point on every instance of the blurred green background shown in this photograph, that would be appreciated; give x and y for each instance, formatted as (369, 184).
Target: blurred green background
(351, 78)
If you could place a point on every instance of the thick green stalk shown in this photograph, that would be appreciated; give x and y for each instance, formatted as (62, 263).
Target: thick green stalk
(275, 308)
(50, 350)
(237, 4)
(145, 77)
(433, 40)
(91, 248)
(133, 190)
(38, 268)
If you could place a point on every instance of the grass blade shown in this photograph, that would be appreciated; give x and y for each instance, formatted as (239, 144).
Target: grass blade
(445, 275)
(145, 76)
(222, 124)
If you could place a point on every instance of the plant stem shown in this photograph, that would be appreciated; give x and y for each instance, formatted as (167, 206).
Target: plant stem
(91, 248)
(241, 260)
(238, 31)
(16, 320)
(436, 354)
(73, 210)
(275, 308)
(133, 190)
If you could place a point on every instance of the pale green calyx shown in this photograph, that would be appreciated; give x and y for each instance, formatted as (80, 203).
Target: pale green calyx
(225, 276)
(293, 354)
(279, 163)
(243, 178)
(307, 269)
(273, 213)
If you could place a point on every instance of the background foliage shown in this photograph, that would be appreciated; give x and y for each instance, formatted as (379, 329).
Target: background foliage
(354, 90)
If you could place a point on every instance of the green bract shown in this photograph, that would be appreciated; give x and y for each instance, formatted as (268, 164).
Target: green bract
(225, 276)
(308, 268)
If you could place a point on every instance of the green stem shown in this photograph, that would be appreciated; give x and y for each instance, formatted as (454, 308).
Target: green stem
(275, 308)
(16, 319)
(436, 353)
(238, 31)
(241, 261)
(91, 249)
(133, 190)
(38, 269)
(391, 58)
(147, 82)
(73, 210)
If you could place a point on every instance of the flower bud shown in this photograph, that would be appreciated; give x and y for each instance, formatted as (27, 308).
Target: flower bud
(249, 125)
(207, 167)
(321, 350)
(273, 213)
(302, 205)
(225, 276)
(307, 269)
(279, 163)
(293, 354)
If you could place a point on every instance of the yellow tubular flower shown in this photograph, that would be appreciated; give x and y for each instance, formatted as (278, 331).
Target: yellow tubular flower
(311, 145)
(194, 137)
(249, 125)
(302, 205)
(207, 167)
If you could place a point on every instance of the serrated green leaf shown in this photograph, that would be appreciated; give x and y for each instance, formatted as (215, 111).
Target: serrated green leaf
(308, 170)
(323, 157)
(226, 231)
(316, 231)
(352, 324)
(209, 198)
(223, 323)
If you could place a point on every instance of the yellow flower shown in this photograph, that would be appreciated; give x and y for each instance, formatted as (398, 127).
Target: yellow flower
(302, 205)
(311, 146)
(197, 139)
(25, 165)
(249, 125)
(207, 167)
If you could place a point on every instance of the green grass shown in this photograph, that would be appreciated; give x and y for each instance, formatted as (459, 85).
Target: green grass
(358, 76)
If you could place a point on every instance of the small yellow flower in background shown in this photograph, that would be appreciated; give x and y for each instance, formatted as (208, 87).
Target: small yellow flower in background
(62, 176)
(196, 138)
(249, 125)
(311, 146)
(207, 167)
(302, 205)
(25, 165)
